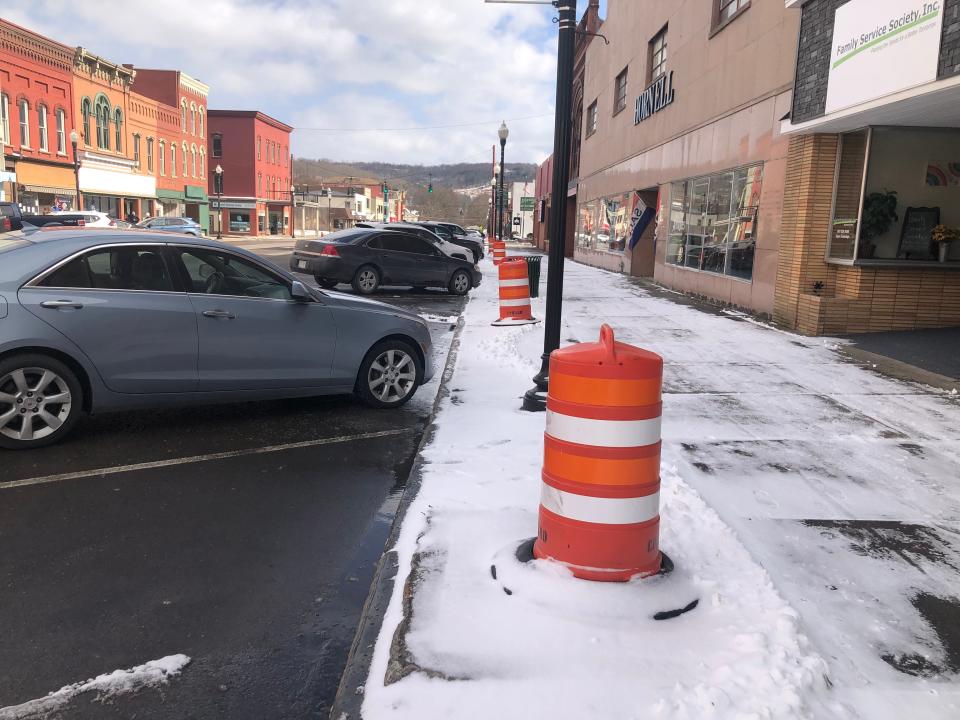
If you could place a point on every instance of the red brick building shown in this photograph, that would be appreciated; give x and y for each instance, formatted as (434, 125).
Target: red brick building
(182, 154)
(253, 149)
(36, 117)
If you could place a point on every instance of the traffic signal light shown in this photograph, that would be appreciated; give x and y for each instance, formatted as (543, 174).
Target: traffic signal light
(430, 188)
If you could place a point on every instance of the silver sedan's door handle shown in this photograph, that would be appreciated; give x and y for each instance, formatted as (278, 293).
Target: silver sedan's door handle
(57, 304)
(219, 314)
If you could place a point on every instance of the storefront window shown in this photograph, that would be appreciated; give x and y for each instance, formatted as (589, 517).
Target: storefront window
(851, 163)
(240, 222)
(713, 222)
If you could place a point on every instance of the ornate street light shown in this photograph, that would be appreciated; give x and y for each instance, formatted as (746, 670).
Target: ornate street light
(74, 139)
(503, 132)
(218, 186)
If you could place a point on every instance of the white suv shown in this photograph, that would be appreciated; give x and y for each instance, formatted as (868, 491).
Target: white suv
(91, 218)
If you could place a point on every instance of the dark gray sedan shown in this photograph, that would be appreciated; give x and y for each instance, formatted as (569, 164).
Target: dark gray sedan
(99, 320)
(370, 257)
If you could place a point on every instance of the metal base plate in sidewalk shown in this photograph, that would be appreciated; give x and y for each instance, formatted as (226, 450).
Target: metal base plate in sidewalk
(522, 554)
(507, 322)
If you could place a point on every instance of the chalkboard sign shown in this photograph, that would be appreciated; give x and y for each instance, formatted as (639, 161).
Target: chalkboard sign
(916, 242)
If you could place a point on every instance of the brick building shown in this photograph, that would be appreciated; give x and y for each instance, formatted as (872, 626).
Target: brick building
(36, 110)
(862, 125)
(110, 179)
(182, 174)
(253, 149)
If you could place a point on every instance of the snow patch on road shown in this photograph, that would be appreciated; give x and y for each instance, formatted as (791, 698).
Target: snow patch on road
(108, 685)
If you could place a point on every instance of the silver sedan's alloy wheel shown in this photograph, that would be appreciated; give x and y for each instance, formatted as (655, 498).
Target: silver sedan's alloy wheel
(392, 376)
(367, 280)
(34, 403)
(461, 283)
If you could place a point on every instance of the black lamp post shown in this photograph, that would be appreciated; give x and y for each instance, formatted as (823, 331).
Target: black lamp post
(218, 186)
(74, 139)
(492, 226)
(503, 132)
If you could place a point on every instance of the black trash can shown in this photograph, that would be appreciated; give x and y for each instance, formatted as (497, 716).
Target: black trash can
(533, 274)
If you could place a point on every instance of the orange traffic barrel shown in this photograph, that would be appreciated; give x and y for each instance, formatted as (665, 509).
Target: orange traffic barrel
(499, 251)
(600, 496)
(514, 293)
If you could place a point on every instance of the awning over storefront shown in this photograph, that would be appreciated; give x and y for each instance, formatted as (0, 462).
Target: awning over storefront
(40, 178)
(935, 104)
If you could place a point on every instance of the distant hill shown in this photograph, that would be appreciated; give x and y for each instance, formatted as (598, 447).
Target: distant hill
(461, 175)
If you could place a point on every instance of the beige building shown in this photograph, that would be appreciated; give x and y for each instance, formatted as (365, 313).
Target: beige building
(681, 123)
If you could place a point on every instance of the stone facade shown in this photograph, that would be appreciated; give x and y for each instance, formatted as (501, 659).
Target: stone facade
(814, 50)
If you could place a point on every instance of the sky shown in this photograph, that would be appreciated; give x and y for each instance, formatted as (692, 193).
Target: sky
(352, 76)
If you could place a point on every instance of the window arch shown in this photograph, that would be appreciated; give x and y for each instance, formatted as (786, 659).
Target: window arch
(183, 115)
(4, 120)
(24, 106)
(162, 157)
(200, 112)
(102, 111)
(193, 160)
(259, 184)
(118, 128)
(173, 159)
(85, 109)
(61, 116)
(193, 118)
(203, 157)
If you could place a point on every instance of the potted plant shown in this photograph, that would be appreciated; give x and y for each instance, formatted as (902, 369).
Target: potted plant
(879, 213)
(943, 235)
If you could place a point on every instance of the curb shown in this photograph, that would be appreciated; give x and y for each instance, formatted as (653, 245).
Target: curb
(349, 697)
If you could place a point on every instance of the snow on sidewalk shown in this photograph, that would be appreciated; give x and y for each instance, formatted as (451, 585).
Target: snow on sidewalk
(788, 475)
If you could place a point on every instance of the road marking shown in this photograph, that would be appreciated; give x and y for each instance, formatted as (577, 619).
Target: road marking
(102, 472)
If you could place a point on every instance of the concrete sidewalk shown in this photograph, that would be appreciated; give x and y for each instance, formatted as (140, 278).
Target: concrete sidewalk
(810, 503)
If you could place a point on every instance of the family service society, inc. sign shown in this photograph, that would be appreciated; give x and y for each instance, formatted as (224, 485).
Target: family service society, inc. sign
(881, 47)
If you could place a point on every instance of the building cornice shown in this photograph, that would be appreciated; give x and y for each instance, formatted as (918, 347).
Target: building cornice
(194, 85)
(19, 40)
(95, 65)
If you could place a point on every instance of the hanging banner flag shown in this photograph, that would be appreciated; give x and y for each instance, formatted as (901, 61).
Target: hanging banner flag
(642, 215)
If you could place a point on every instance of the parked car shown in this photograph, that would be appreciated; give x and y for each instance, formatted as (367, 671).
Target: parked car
(185, 225)
(12, 219)
(91, 218)
(98, 321)
(451, 249)
(444, 231)
(370, 257)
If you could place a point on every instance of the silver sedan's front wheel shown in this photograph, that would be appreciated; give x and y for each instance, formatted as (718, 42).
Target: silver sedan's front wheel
(39, 401)
(390, 374)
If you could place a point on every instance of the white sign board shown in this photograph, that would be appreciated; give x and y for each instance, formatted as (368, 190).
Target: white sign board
(881, 47)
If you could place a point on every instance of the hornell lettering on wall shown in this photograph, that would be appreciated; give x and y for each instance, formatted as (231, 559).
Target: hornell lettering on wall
(655, 98)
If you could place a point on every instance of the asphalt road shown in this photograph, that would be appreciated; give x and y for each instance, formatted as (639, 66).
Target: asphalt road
(254, 562)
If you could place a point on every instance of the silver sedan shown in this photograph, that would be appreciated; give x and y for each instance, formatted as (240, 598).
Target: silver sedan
(100, 320)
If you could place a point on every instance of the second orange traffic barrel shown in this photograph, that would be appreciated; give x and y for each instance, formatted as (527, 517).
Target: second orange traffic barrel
(600, 496)
(514, 293)
(499, 248)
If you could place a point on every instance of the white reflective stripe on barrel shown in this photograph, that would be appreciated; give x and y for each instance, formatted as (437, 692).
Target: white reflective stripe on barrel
(606, 511)
(602, 433)
(515, 303)
(522, 282)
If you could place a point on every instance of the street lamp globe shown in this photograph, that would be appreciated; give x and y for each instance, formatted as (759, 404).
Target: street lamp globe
(218, 170)
(493, 181)
(503, 132)
(74, 138)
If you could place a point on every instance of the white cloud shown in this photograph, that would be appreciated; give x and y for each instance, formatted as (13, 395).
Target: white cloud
(344, 63)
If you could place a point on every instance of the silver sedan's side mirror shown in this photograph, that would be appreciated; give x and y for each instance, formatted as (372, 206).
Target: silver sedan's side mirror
(299, 292)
